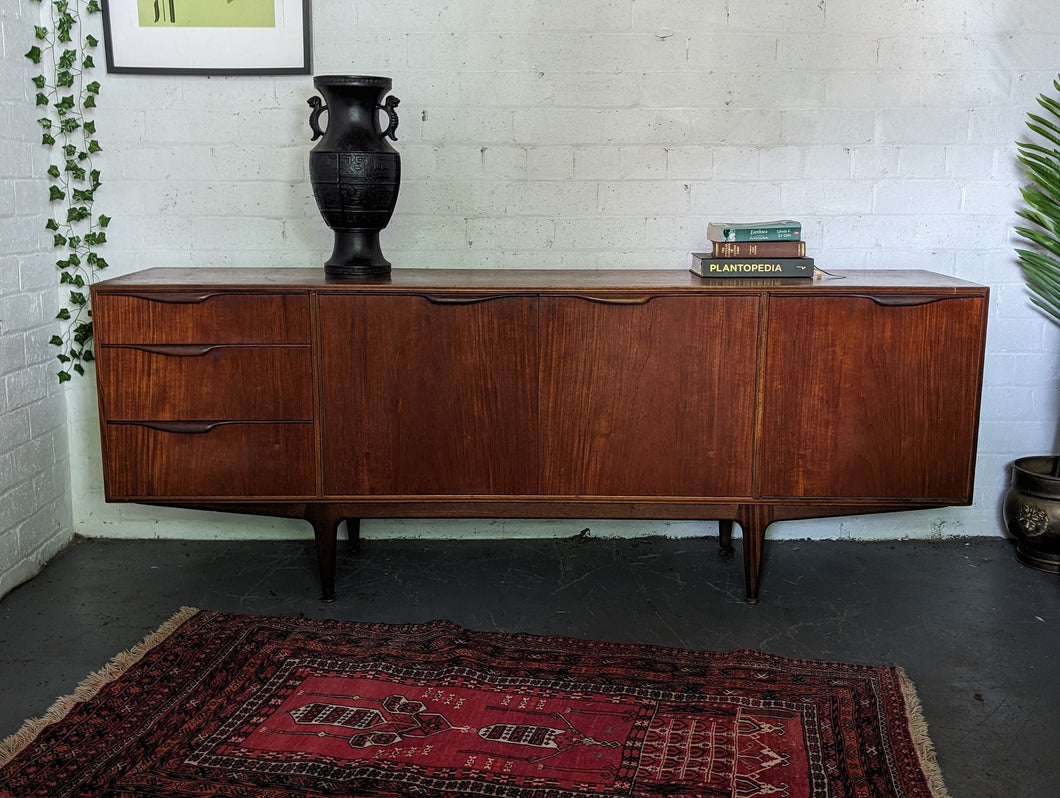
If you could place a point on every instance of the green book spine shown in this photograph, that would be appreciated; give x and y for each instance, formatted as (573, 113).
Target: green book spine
(785, 230)
(709, 266)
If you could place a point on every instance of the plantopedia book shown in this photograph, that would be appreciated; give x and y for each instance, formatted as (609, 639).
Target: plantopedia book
(708, 266)
(781, 230)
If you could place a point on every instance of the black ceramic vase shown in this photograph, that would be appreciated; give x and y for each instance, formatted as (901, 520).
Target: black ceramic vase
(354, 171)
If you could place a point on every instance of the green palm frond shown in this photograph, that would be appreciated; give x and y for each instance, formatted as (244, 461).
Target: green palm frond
(1041, 165)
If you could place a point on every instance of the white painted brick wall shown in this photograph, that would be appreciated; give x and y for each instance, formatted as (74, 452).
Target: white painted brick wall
(35, 498)
(606, 134)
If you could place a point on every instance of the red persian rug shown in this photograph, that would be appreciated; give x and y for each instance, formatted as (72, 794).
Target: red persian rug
(236, 705)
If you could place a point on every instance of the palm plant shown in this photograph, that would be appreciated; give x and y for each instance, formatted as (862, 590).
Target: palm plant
(1041, 163)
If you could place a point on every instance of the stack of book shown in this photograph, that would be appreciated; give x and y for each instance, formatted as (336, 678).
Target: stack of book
(756, 249)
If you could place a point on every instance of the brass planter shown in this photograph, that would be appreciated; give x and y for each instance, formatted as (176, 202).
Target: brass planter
(1032, 513)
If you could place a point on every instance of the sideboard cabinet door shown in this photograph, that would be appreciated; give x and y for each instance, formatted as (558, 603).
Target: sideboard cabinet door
(872, 397)
(427, 395)
(648, 397)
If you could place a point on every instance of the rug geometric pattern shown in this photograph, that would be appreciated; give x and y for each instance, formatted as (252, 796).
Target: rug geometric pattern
(238, 705)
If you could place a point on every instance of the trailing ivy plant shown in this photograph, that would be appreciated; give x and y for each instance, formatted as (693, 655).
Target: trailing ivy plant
(67, 96)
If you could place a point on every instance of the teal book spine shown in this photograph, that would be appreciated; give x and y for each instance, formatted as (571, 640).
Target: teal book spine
(784, 230)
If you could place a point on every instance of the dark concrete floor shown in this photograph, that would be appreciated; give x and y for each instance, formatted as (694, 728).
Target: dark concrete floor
(976, 632)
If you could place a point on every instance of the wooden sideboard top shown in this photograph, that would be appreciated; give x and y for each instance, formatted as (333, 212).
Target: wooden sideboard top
(531, 281)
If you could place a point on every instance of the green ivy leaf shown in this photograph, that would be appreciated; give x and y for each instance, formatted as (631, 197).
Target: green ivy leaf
(66, 63)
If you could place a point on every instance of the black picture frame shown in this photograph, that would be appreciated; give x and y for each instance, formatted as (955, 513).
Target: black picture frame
(283, 49)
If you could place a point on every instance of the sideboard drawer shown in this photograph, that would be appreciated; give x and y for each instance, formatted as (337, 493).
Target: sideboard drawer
(216, 460)
(199, 382)
(189, 317)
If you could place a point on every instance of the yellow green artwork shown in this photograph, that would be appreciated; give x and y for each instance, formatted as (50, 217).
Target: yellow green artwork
(206, 13)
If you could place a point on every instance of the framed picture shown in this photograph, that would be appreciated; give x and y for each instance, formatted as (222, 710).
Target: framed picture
(208, 37)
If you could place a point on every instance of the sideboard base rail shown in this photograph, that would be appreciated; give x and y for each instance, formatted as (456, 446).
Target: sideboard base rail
(753, 518)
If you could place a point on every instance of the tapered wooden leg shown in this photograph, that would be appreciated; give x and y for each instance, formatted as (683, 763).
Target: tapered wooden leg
(325, 520)
(725, 538)
(353, 533)
(753, 520)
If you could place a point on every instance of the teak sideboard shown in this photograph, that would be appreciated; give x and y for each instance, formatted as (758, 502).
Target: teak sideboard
(539, 394)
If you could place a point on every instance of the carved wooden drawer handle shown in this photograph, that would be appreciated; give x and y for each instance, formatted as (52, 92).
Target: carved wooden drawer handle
(616, 300)
(175, 298)
(176, 350)
(182, 427)
(603, 300)
(465, 300)
(904, 300)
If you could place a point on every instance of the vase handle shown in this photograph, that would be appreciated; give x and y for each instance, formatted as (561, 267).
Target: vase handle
(389, 105)
(318, 108)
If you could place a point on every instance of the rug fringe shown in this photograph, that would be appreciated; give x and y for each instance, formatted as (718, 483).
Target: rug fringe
(918, 731)
(92, 684)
